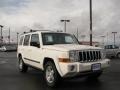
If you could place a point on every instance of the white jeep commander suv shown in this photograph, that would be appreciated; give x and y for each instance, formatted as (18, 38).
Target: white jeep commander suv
(59, 55)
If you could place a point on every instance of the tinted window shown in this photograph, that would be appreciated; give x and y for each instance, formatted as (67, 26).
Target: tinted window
(58, 38)
(111, 47)
(21, 40)
(115, 47)
(34, 39)
(26, 40)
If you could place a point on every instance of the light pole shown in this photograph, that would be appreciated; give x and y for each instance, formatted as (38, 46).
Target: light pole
(107, 38)
(9, 36)
(103, 39)
(90, 22)
(17, 37)
(114, 33)
(1, 37)
(65, 21)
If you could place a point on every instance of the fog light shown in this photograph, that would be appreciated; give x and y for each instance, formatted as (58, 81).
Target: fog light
(72, 68)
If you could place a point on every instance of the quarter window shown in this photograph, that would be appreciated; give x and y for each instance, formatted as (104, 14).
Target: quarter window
(26, 40)
(21, 40)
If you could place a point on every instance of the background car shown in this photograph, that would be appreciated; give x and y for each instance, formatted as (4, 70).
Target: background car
(8, 47)
(2, 48)
(112, 51)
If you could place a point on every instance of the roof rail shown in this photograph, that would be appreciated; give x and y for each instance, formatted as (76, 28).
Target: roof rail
(31, 30)
(25, 32)
(40, 30)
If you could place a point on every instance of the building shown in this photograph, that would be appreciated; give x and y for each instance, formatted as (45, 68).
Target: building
(96, 44)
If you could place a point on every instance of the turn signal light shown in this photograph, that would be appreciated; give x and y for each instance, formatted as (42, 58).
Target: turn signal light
(64, 60)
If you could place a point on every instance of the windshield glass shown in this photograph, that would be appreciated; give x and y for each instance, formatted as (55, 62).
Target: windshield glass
(58, 38)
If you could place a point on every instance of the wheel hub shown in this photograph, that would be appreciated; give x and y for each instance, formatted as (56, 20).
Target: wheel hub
(50, 74)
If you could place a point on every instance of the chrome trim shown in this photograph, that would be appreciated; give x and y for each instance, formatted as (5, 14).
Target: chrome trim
(94, 55)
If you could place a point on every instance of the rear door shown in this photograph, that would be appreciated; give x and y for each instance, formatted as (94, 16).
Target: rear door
(26, 49)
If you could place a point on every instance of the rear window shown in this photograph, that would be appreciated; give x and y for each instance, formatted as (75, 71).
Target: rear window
(26, 40)
(21, 40)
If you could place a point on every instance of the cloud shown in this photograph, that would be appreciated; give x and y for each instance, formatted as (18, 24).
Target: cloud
(42, 10)
(21, 15)
(11, 3)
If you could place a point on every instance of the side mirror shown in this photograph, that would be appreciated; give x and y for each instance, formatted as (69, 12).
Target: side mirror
(35, 44)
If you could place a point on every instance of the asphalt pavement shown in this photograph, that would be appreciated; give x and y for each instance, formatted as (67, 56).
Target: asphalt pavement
(12, 79)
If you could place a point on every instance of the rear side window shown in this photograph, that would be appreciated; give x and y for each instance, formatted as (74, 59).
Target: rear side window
(26, 40)
(21, 40)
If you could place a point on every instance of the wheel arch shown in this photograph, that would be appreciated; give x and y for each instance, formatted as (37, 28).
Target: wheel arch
(19, 55)
(118, 54)
(46, 59)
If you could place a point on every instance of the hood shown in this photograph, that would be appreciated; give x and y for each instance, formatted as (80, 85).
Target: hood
(68, 47)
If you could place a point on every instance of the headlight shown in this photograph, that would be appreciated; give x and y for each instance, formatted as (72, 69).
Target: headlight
(74, 56)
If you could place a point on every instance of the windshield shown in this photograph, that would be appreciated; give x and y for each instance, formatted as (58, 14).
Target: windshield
(58, 38)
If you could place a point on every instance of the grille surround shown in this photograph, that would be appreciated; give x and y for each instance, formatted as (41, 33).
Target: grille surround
(89, 55)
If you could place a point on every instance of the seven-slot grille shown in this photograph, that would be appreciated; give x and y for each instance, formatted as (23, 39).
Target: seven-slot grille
(89, 56)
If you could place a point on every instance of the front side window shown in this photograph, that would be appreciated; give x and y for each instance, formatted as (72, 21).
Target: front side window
(35, 40)
(26, 40)
(58, 38)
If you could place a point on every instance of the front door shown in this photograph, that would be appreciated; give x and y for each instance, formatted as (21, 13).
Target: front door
(35, 52)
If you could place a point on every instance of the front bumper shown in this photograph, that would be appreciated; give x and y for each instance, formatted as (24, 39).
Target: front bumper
(77, 68)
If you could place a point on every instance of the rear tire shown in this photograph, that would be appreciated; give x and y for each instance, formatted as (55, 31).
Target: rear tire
(51, 74)
(22, 66)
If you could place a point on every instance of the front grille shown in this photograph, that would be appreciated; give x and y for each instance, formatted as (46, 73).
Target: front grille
(89, 56)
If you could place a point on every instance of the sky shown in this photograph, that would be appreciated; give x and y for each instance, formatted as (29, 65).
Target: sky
(23, 15)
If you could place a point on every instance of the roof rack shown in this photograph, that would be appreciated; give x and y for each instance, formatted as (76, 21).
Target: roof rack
(40, 30)
(31, 30)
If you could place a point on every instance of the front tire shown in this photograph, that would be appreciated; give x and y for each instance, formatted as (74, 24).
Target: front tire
(51, 74)
(22, 66)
